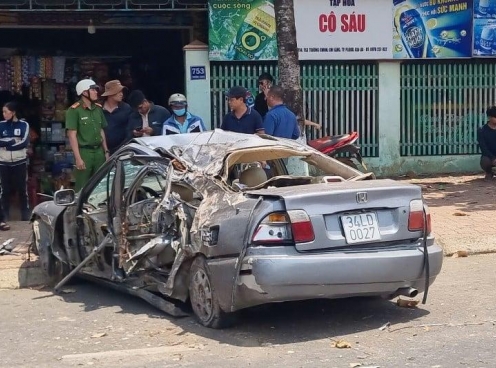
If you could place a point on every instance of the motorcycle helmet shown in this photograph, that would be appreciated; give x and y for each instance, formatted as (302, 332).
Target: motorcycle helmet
(177, 99)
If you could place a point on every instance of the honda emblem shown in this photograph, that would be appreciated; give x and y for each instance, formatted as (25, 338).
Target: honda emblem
(361, 197)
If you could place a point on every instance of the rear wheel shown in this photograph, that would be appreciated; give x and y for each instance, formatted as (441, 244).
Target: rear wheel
(203, 297)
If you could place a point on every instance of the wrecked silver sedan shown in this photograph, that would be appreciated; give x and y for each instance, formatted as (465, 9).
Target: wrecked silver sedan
(227, 221)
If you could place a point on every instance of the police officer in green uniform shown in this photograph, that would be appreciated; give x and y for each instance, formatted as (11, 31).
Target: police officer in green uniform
(85, 122)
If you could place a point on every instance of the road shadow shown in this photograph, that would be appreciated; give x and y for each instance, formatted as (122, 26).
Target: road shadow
(467, 194)
(282, 323)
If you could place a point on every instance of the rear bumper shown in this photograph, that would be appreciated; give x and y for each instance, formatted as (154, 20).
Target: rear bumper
(269, 277)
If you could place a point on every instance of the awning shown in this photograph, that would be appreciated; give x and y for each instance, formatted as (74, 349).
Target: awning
(102, 5)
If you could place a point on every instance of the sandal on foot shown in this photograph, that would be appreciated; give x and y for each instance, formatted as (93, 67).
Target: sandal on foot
(4, 226)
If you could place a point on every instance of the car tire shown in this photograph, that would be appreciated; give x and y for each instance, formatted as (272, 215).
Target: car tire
(53, 268)
(204, 299)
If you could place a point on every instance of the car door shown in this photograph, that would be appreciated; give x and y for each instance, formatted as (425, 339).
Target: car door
(145, 187)
(98, 204)
(93, 217)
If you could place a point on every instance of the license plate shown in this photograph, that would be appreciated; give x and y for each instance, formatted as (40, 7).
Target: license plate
(361, 228)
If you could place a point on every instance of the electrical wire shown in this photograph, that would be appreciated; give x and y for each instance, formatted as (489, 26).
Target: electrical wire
(426, 258)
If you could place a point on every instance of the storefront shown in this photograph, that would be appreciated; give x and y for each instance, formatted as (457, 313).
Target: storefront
(413, 77)
(46, 46)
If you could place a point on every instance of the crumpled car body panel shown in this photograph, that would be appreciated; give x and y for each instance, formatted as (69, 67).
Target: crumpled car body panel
(180, 202)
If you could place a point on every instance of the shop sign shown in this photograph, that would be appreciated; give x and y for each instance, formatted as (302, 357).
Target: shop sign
(432, 29)
(343, 29)
(197, 72)
(484, 28)
(355, 29)
(242, 30)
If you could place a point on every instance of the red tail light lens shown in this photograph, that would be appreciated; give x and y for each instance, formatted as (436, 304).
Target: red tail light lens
(416, 217)
(301, 226)
(279, 228)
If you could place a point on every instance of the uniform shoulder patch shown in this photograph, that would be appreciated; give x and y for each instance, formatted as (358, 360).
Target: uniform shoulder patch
(99, 105)
(76, 105)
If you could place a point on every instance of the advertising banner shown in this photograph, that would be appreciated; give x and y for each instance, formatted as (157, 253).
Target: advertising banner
(242, 30)
(484, 28)
(343, 29)
(432, 28)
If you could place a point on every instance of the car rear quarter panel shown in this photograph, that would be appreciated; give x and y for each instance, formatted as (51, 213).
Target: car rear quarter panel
(236, 225)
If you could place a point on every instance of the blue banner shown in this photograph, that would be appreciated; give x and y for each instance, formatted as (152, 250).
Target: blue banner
(484, 28)
(432, 29)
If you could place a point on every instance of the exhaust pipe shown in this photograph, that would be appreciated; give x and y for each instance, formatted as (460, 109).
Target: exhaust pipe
(407, 291)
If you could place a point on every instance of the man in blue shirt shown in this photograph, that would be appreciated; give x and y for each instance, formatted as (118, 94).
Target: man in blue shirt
(280, 121)
(181, 121)
(241, 119)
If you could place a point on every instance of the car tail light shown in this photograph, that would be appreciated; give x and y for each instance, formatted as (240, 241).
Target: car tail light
(275, 228)
(282, 227)
(416, 217)
(301, 226)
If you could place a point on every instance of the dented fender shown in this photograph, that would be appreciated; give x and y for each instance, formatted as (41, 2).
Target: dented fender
(48, 213)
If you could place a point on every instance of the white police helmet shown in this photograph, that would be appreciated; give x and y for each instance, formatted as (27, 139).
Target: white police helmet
(84, 85)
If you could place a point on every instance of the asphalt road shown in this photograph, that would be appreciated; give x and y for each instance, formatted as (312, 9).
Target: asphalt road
(91, 326)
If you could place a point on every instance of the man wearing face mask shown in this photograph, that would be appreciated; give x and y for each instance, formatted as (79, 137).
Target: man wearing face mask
(181, 121)
(85, 123)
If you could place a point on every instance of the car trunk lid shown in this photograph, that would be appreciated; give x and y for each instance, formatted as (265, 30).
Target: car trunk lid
(351, 213)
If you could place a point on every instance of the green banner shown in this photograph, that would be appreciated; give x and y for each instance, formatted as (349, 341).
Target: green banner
(242, 30)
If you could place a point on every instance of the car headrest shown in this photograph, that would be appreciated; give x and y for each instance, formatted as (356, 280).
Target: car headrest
(185, 193)
(253, 176)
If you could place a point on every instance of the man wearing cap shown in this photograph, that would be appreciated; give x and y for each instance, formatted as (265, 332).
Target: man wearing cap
(117, 115)
(147, 118)
(85, 123)
(486, 136)
(241, 119)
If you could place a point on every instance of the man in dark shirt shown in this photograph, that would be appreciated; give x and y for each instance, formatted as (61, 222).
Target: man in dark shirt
(241, 119)
(486, 136)
(280, 121)
(117, 114)
(265, 81)
(147, 119)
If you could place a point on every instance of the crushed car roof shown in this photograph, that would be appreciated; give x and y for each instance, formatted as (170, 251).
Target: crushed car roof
(228, 141)
(207, 151)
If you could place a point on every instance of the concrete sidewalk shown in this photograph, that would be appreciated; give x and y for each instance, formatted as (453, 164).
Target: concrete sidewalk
(19, 269)
(462, 208)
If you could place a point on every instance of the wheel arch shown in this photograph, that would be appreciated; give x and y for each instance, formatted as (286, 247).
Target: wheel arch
(49, 221)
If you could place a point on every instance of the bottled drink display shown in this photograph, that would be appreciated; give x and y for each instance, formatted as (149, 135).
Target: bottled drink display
(410, 26)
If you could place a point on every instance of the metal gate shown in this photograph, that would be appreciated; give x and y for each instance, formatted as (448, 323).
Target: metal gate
(341, 96)
(443, 104)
